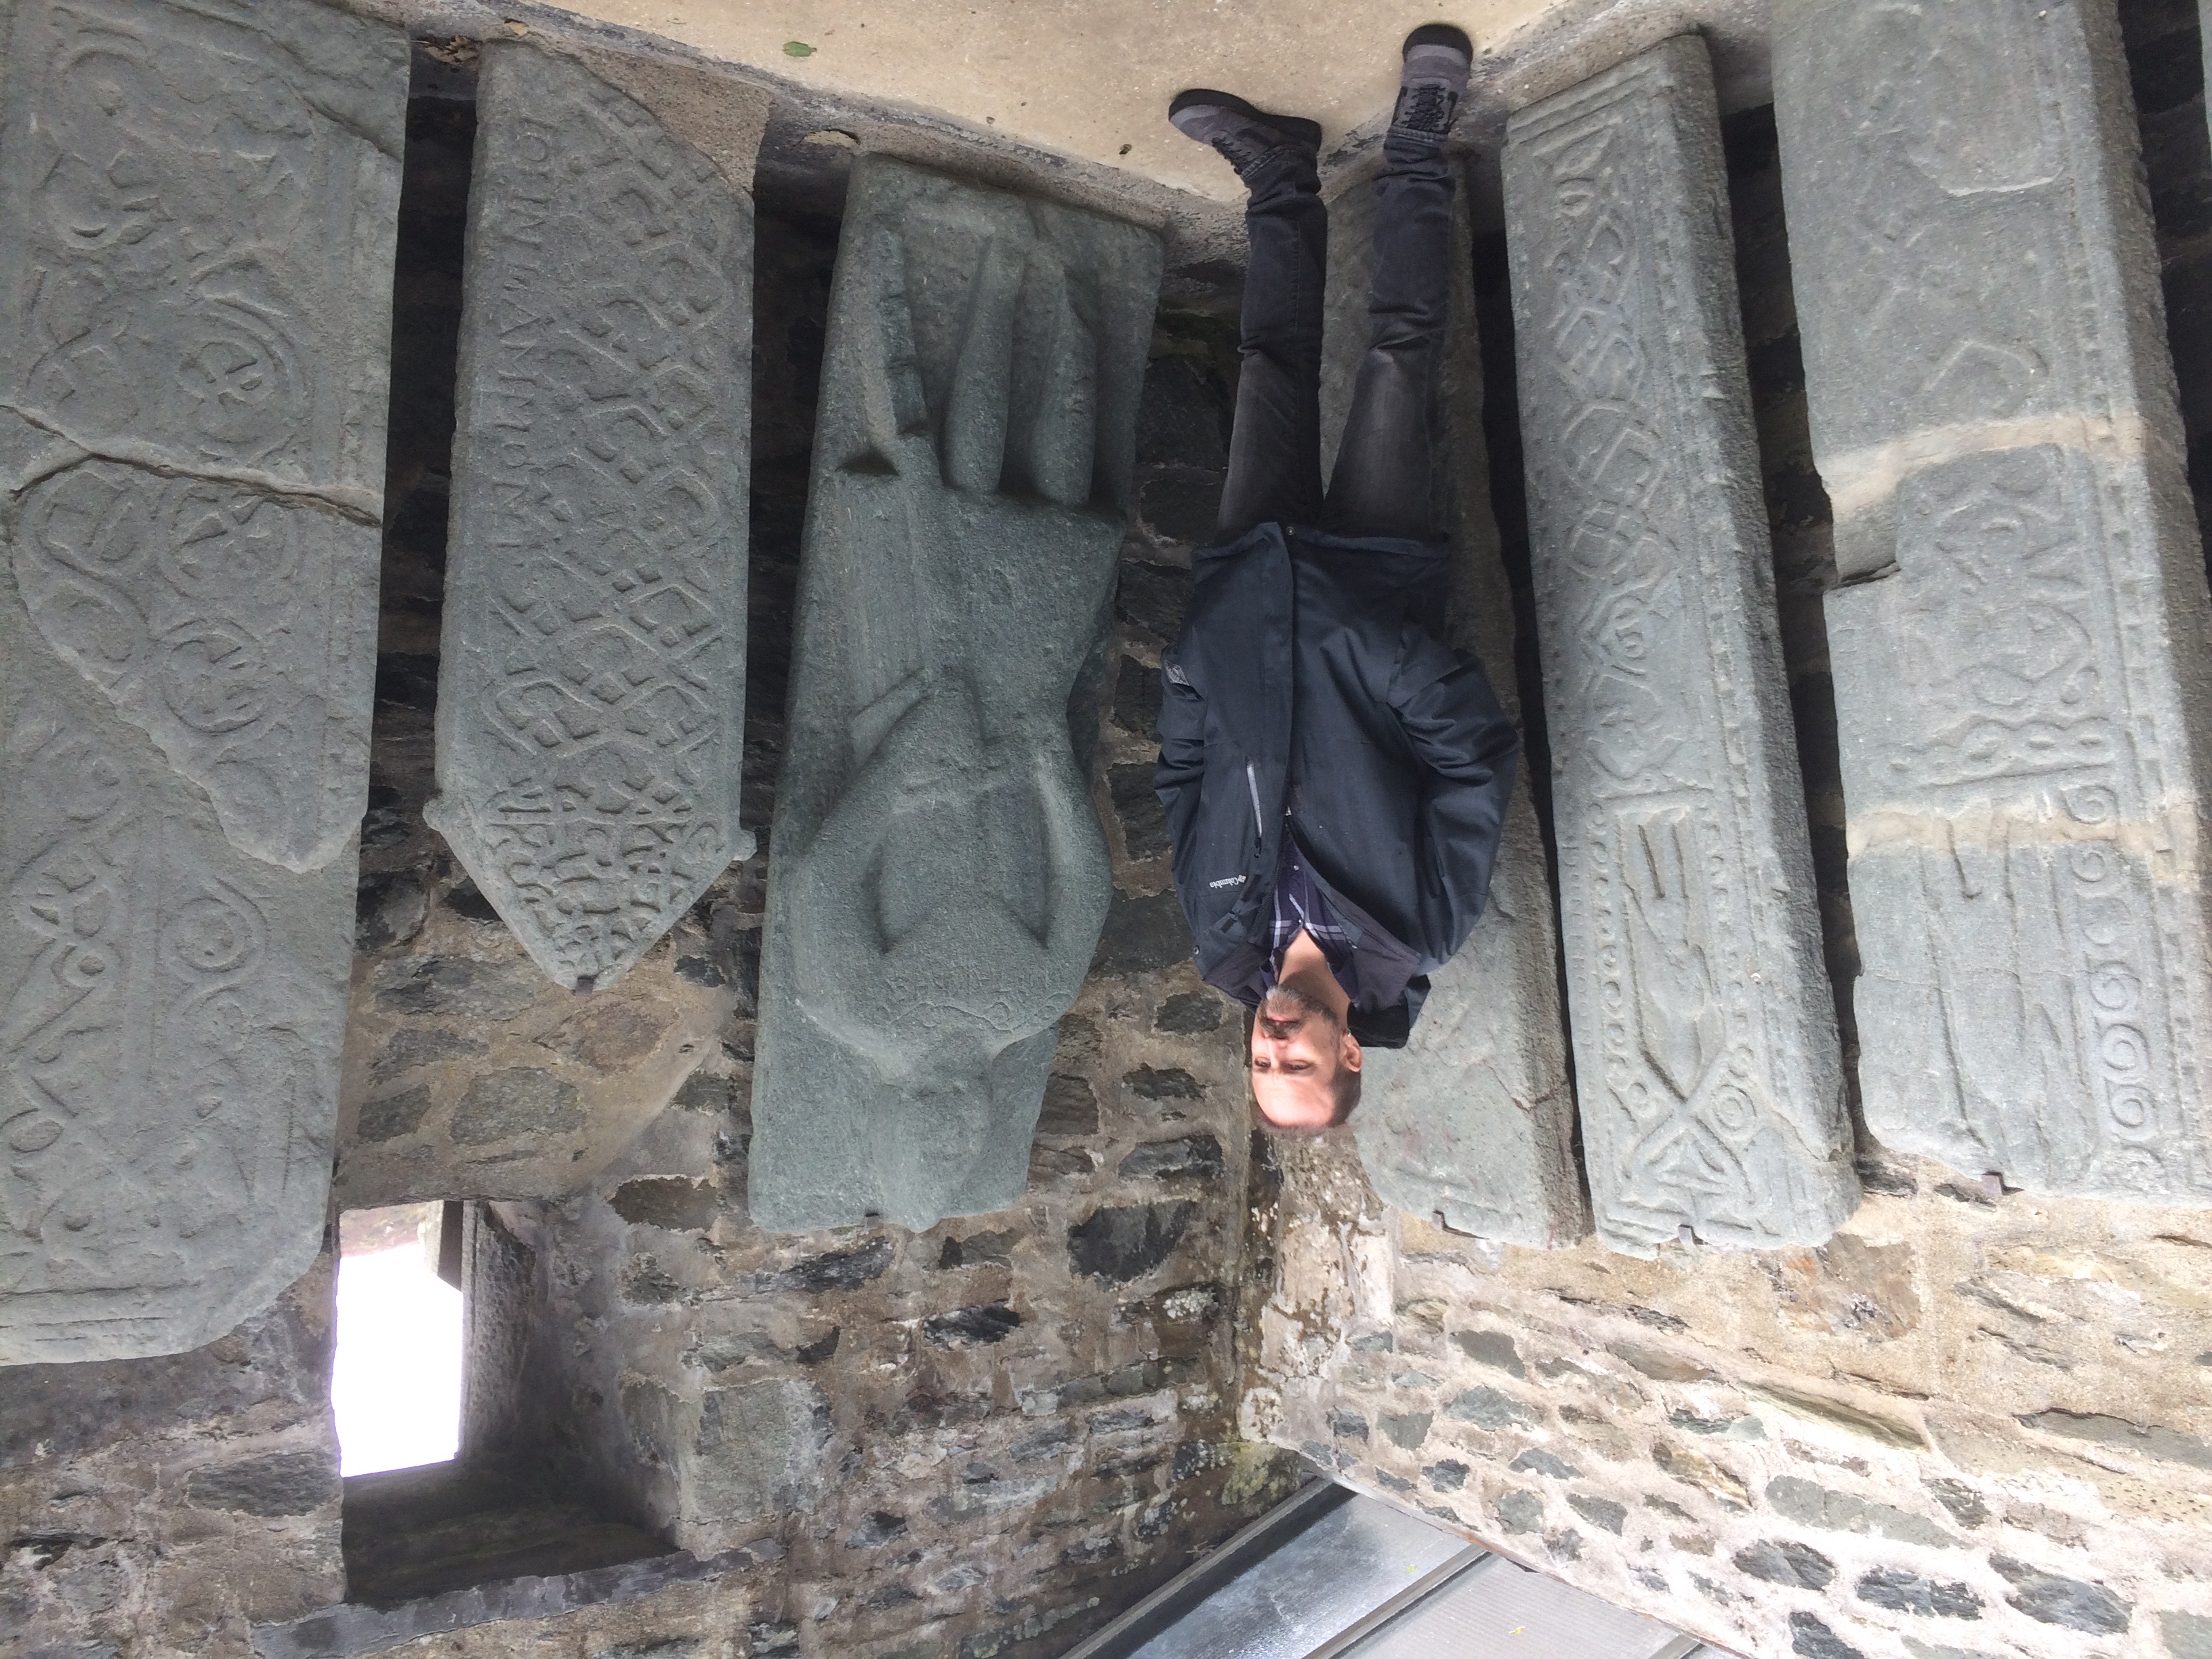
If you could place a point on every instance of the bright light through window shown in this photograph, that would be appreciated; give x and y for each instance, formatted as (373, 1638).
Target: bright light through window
(396, 1388)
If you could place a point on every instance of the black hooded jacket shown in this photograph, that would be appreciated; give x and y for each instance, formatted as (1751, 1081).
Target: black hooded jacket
(1308, 693)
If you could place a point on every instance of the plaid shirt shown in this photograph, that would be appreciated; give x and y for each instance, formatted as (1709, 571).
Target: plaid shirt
(1300, 903)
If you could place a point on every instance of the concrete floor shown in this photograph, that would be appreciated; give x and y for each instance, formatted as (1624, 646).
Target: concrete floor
(1091, 78)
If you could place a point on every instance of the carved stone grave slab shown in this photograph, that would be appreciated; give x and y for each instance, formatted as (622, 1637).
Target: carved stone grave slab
(1473, 1120)
(2021, 641)
(940, 878)
(1711, 1087)
(199, 204)
(590, 706)
(196, 215)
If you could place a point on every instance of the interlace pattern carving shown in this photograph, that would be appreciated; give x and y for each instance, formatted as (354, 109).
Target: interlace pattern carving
(590, 713)
(941, 877)
(233, 628)
(196, 213)
(198, 200)
(2023, 734)
(168, 1101)
(2031, 953)
(1710, 1081)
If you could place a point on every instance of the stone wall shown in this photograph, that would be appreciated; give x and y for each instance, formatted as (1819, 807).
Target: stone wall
(161, 1506)
(1966, 1425)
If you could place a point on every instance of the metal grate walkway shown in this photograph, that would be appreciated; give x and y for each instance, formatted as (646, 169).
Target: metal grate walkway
(1333, 1574)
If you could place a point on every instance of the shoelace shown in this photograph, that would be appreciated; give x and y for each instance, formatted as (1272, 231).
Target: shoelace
(1427, 109)
(1239, 150)
(1245, 151)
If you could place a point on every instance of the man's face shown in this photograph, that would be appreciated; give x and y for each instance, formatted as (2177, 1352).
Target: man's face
(1298, 1047)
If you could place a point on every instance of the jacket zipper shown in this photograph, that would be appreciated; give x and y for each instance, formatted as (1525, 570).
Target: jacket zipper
(1259, 822)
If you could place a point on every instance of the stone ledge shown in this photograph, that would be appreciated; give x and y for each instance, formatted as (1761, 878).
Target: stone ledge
(351, 1628)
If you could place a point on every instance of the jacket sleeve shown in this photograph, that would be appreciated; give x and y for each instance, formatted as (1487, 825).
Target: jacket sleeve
(1182, 768)
(1468, 750)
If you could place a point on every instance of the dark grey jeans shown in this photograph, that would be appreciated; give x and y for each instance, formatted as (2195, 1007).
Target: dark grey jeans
(1385, 480)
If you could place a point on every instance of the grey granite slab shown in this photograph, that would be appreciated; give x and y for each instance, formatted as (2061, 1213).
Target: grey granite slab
(1711, 1084)
(590, 706)
(1473, 1121)
(940, 878)
(2021, 643)
(196, 218)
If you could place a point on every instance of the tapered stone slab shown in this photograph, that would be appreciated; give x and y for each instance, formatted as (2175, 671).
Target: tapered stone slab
(940, 878)
(197, 215)
(591, 701)
(1706, 1061)
(2021, 644)
(1474, 1119)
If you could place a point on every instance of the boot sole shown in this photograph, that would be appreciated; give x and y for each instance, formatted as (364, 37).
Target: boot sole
(1296, 128)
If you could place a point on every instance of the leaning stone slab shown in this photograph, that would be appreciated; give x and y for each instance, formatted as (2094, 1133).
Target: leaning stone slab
(2020, 640)
(1473, 1120)
(940, 878)
(1711, 1087)
(197, 215)
(590, 705)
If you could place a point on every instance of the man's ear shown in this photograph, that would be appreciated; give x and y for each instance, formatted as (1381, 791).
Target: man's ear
(1351, 1055)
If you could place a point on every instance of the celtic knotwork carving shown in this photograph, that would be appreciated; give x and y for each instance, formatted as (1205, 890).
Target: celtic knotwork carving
(198, 254)
(1710, 1081)
(591, 709)
(2020, 703)
(233, 628)
(2002, 555)
(196, 216)
(1948, 126)
(168, 1042)
(941, 877)
(2022, 987)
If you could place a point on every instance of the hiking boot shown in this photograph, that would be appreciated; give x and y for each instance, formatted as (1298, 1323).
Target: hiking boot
(1245, 137)
(1432, 81)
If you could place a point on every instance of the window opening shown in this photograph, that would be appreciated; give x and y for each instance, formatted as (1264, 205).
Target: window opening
(396, 1388)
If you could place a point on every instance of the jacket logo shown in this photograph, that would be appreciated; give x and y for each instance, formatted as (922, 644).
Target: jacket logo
(1227, 881)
